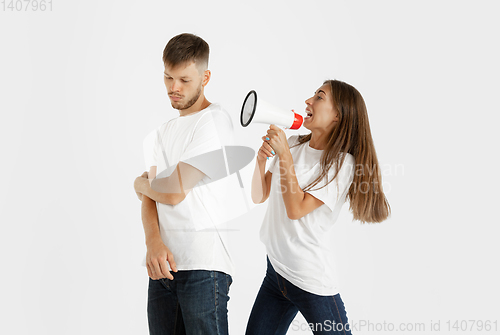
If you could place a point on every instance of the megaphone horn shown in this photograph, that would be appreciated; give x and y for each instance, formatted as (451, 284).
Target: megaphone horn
(257, 110)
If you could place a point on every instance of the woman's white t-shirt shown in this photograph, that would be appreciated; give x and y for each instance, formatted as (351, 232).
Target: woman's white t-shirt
(300, 250)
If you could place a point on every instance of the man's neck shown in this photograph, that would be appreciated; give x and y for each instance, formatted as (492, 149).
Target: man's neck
(199, 105)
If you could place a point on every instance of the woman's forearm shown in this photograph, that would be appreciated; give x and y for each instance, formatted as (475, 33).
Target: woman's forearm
(290, 189)
(259, 186)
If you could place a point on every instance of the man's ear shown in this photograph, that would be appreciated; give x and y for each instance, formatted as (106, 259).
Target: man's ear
(206, 77)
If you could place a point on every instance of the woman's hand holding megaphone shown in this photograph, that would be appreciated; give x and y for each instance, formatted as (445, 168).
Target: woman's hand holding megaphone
(265, 151)
(275, 143)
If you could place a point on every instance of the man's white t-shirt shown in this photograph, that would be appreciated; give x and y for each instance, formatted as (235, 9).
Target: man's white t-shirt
(190, 229)
(300, 250)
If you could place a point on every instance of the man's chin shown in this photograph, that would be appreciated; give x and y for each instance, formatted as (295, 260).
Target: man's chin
(176, 105)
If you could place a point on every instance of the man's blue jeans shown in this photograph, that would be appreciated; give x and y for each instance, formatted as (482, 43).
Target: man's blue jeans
(278, 301)
(195, 302)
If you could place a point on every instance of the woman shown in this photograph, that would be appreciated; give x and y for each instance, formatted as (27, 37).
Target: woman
(307, 183)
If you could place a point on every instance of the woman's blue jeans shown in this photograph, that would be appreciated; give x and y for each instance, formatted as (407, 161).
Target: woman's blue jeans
(278, 301)
(195, 302)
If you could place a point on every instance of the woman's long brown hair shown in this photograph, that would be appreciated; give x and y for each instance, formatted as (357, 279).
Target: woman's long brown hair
(352, 135)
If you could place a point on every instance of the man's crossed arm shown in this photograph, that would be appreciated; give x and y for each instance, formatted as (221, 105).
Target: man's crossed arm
(176, 187)
(173, 189)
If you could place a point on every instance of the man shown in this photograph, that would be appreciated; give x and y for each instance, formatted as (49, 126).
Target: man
(179, 219)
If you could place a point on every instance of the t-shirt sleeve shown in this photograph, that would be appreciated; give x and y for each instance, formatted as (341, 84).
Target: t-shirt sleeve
(204, 152)
(150, 147)
(337, 189)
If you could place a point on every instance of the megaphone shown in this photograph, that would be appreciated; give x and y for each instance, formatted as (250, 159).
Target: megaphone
(259, 111)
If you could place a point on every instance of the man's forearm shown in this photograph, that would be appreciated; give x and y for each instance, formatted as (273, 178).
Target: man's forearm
(149, 216)
(164, 198)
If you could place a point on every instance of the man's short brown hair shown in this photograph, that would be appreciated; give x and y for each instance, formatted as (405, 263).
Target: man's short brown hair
(186, 48)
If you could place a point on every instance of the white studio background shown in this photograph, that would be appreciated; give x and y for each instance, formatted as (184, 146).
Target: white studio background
(81, 86)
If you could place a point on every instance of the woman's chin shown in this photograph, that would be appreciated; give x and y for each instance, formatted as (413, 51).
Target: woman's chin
(306, 124)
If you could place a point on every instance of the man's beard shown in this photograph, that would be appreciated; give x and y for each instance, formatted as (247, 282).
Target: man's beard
(190, 102)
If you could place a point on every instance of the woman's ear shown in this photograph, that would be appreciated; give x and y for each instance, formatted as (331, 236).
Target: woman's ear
(336, 117)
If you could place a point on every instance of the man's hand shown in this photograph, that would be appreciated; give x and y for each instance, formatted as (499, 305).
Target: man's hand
(137, 184)
(157, 257)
